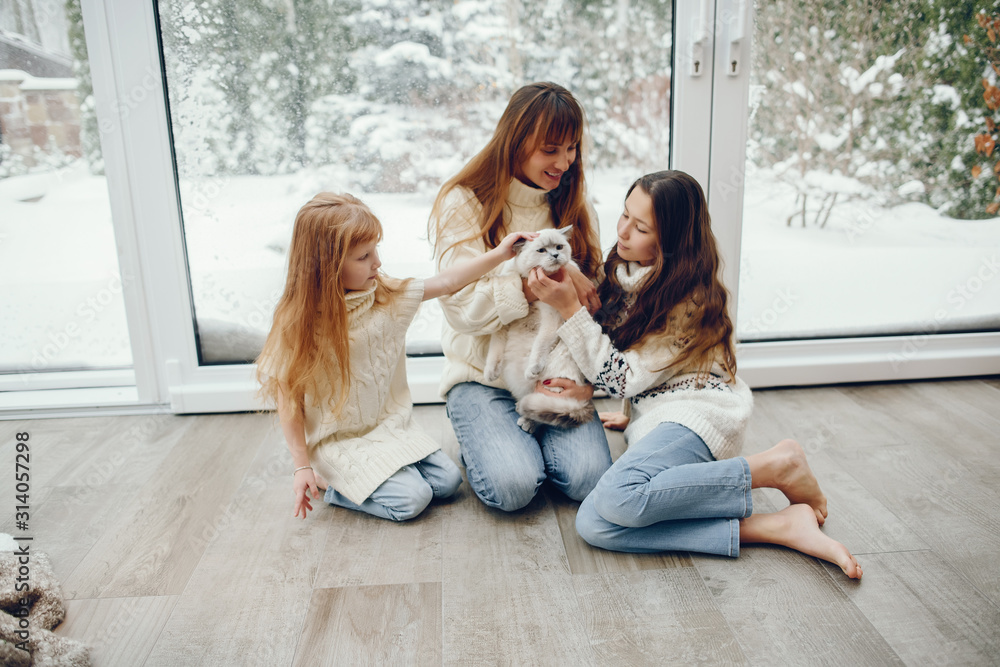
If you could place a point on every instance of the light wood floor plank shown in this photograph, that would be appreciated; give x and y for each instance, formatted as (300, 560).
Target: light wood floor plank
(119, 632)
(365, 550)
(373, 625)
(55, 443)
(664, 617)
(782, 613)
(247, 599)
(156, 544)
(820, 418)
(522, 617)
(942, 502)
(927, 612)
(180, 527)
(507, 589)
(70, 521)
(924, 413)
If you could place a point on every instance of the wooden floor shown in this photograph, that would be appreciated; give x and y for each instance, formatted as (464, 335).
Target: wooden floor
(174, 541)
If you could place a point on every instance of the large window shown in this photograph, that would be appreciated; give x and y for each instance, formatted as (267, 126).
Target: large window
(272, 103)
(850, 166)
(62, 306)
(868, 209)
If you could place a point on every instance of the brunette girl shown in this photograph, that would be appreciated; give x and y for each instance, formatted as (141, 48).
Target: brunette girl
(663, 342)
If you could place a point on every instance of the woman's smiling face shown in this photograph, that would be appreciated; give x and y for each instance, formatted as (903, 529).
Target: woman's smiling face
(545, 167)
(637, 239)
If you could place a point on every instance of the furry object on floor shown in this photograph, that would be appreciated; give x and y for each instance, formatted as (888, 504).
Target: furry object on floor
(45, 612)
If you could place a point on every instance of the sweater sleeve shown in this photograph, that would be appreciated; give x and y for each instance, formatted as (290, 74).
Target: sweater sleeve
(493, 301)
(621, 374)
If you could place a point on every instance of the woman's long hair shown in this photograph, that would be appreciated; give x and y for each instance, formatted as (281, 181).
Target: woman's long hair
(306, 351)
(687, 268)
(537, 114)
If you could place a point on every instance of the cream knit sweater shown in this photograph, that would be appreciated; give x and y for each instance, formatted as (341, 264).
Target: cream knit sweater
(493, 301)
(375, 434)
(718, 411)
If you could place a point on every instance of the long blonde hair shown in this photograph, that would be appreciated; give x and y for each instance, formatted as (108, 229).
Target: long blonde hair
(686, 269)
(537, 114)
(306, 351)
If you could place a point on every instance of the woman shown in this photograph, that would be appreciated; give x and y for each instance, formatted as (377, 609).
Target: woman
(528, 177)
(664, 343)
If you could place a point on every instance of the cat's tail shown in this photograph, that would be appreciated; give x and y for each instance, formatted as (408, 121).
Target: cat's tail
(555, 410)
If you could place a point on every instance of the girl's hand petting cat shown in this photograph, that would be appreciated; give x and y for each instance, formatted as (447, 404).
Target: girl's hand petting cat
(557, 290)
(506, 246)
(565, 388)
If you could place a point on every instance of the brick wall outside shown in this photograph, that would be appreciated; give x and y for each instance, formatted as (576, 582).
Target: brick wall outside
(38, 116)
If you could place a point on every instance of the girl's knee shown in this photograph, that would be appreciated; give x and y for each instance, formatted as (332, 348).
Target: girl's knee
(593, 528)
(619, 505)
(411, 505)
(449, 482)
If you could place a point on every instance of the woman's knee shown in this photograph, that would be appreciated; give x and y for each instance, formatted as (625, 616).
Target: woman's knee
(507, 489)
(583, 478)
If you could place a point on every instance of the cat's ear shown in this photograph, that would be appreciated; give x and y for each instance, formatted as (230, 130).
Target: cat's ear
(566, 231)
(519, 245)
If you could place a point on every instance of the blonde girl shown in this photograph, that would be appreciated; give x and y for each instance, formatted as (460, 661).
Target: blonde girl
(663, 341)
(335, 365)
(528, 177)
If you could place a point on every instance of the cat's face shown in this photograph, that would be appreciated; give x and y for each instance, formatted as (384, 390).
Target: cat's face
(549, 250)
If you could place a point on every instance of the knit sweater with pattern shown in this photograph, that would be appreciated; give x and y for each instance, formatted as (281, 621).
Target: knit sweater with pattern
(485, 306)
(716, 409)
(375, 435)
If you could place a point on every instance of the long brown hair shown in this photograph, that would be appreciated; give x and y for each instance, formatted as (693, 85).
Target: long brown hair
(686, 269)
(537, 114)
(306, 351)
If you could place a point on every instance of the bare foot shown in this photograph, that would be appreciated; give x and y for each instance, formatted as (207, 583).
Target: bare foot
(796, 527)
(784, 467)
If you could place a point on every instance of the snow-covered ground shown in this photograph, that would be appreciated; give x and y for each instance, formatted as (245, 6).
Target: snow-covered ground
(870, 270)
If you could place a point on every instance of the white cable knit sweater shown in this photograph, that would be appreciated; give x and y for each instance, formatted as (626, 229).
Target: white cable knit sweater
(375, 435)
(479, 309)
(718, 411)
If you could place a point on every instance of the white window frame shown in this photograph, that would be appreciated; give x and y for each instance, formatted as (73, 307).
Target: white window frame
(709, 135)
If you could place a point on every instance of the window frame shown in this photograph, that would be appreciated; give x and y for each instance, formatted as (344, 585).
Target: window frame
(708, 135)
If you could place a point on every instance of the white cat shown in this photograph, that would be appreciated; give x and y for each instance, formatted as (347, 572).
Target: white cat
(529, 349)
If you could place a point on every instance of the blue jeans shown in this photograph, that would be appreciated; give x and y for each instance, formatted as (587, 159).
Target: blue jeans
(409, 490)
(668, 493)
(505, 465)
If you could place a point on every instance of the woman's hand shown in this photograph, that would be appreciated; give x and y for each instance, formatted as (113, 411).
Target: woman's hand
(585, 290)
(565, 388)
(556, 290)
(304, 485)
(616, 421)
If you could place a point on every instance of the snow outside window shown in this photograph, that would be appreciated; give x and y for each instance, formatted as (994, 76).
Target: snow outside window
(867, 208)
(62, 306)
(271, 103)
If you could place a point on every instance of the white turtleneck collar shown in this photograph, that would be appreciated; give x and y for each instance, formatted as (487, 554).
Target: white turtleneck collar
(525, 195)
(631, 274)
(358, 302)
